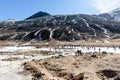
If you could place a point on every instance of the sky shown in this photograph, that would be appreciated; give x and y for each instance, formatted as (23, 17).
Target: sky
(21, 9)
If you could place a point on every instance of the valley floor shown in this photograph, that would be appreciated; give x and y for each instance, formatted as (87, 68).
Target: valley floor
(86, 67)
(57, 60)
(52, 43)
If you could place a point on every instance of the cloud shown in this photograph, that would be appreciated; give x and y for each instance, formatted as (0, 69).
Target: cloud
(105, 5)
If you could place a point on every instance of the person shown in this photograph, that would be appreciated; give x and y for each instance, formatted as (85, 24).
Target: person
(79, 52)
(99, 50)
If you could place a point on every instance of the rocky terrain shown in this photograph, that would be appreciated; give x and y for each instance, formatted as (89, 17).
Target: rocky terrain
(43, 26)
(85, 67)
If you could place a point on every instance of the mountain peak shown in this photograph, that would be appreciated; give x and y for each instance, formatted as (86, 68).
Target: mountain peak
(38, 14)
(114, 11)
(112, 15)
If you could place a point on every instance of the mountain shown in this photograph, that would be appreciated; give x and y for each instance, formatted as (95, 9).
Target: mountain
(38, 14)
(112, 15)
(60, 27)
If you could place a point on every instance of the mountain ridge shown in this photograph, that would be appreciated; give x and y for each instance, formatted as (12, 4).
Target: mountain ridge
(112, 15)
(61, 27)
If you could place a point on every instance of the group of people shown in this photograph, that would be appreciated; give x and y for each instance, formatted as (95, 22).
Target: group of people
(79, 52)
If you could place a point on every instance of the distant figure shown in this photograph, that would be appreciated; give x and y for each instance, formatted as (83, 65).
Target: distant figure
(99, 50)
(104, 52)
(79, 52)
(94, 48)
(107, 48)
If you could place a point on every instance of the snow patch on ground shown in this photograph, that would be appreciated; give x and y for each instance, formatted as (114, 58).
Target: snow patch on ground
(9, 69)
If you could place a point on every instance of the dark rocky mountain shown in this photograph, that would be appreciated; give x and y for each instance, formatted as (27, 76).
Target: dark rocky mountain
(112, 15)
(38, 14)
(60, 27)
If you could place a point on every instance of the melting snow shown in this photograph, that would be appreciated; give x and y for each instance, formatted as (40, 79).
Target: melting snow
(9, 69)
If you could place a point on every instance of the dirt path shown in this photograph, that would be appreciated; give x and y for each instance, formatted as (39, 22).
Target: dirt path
(78, 67)
(42, 70)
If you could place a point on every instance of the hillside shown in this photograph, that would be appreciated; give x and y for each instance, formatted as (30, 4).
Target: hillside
(60, 27)
(112, 15)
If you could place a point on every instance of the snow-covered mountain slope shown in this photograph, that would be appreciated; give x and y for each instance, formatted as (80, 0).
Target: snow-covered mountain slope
(60, 27)
(112, 15)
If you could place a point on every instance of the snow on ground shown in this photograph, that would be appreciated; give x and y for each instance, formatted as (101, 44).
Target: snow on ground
(9, 69)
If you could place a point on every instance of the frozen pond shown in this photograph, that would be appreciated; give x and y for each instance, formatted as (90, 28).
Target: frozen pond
(9, 70)
(62, 49)
(100, 49)
(94, 49)
(19, 49)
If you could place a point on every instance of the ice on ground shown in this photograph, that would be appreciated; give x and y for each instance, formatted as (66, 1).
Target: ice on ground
(24, 48)
(15, 49)
(9, 69)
